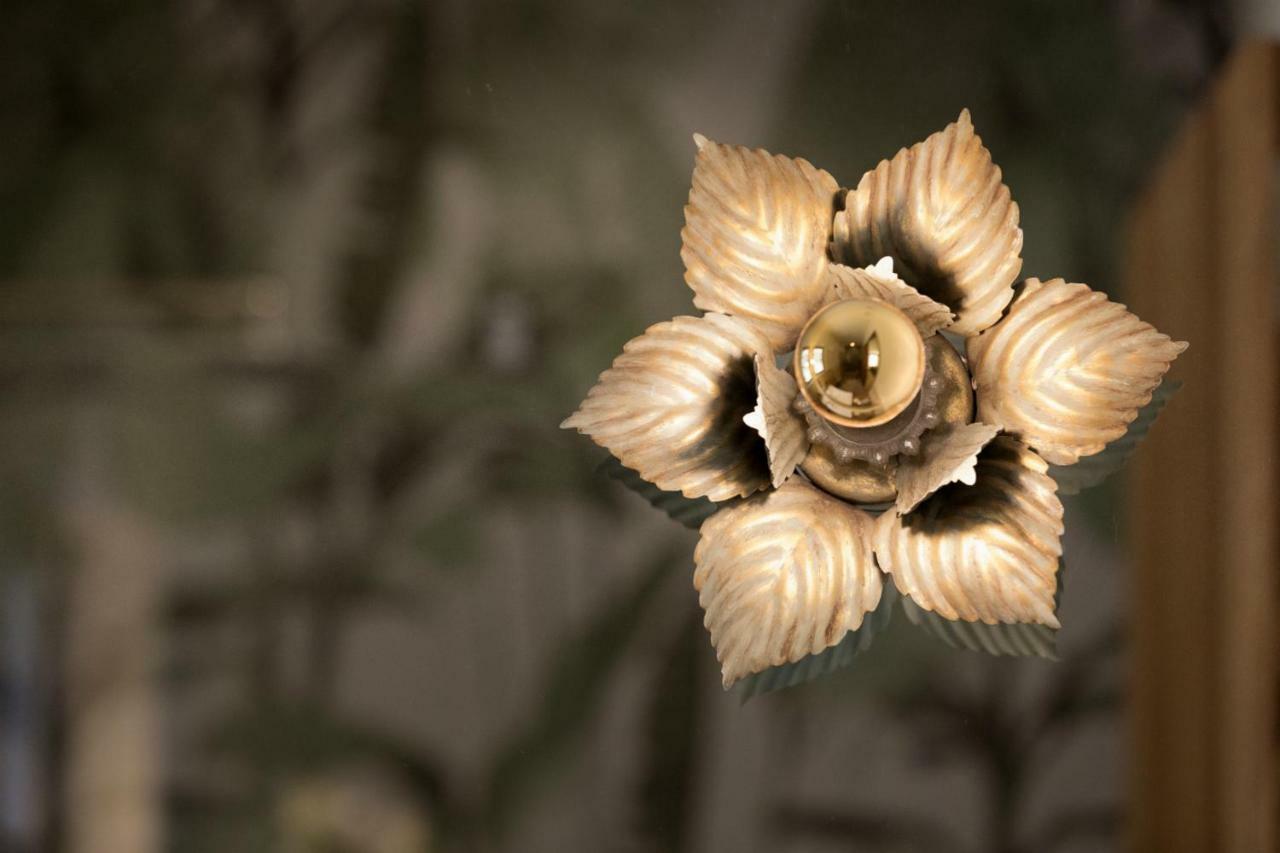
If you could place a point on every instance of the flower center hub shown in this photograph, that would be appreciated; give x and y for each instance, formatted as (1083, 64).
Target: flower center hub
(860, 362)
(859, 465)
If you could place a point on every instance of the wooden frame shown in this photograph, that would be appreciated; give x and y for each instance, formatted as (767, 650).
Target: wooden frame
(1203, 499)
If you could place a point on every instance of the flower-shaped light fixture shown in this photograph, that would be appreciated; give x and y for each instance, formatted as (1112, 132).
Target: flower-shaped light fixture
(818, 390)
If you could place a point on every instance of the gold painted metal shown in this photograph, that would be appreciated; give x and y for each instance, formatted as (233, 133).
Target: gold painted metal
(940, 210)
(1067, 369)
(855, 480)
(983, 553)
(671, 406)
(782, 430)
(784, 575)
(755, 238)
(955, 389)
(880, 406)
(859, 362)
(946, 456)
(880, 282)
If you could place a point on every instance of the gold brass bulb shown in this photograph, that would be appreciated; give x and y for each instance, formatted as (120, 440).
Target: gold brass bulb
(860, 362)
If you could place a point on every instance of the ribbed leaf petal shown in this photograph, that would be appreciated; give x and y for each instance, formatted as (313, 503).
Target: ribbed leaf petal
(671, 407)
(1067, 369)
(755, 239)
(987, 552)
(940, 210)
(784, 575)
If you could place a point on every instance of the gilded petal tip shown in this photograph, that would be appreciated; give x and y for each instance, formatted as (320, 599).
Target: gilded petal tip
(571, 422)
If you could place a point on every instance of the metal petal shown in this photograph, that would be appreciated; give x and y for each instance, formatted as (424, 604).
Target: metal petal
(1093, 470)
(946, 456)
(987, 552)
(786, 438)
(784, 575)
(827, 662)
(1067, 370)
(690, 512)
(755, 237)
(880, 282)
(671, 407)
(940, 210)
(1018, 639)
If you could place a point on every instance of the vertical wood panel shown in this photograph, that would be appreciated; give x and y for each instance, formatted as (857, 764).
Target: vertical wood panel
(1245, 153)
(1201, 266)
(1170, 513)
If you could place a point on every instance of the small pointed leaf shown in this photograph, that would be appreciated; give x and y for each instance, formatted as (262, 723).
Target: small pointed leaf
(785, 436)
(946, 456)
(880, 282)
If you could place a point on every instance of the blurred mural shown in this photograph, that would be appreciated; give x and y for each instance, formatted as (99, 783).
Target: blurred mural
(293, 296)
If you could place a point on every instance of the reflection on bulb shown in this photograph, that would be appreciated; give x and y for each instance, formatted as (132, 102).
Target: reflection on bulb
(860, 362)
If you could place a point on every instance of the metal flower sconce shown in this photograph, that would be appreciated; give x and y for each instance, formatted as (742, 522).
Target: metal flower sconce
(819, 389)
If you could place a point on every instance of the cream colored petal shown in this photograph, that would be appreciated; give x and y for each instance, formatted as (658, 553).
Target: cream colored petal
(983, 553)
(1067, 370)
(880, 282)
(786, 438)
(783, 575)
(671, 407)
(828, 661)
(755, 237)
(940, 210)
(946, 456)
